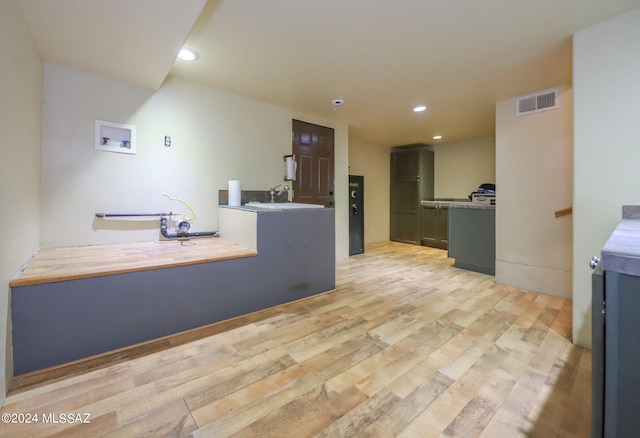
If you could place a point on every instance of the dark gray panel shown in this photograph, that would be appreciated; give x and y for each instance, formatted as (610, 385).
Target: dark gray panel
(472, 239)
(356, 214)
(622, 380)
(597, 352)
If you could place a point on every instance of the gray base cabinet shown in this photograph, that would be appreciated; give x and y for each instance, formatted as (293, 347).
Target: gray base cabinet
(434, 225)
(472, 237)
(615, 335)
(615, 355)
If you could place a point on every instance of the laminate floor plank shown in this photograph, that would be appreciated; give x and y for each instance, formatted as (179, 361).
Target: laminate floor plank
(406, 346)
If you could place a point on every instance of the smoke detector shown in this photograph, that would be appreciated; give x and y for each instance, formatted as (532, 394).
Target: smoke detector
(337, 103)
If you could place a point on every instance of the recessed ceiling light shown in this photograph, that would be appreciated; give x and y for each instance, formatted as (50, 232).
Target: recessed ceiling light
(437, 137)
(419, 108)
(188, 55)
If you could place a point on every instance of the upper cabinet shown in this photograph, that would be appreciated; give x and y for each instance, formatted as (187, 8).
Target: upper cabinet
(411, 182)
(405, 165)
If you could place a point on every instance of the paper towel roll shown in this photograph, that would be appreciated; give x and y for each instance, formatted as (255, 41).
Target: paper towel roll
(234, 193)
(291, 168)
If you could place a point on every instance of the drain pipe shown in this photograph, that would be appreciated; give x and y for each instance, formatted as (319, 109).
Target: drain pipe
(183, 226)
(183, 231)
(104, 215)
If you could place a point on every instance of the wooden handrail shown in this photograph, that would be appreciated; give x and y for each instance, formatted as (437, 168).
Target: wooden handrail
(564, 212)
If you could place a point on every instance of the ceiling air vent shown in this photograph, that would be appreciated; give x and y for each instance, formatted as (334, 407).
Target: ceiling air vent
(540, 101)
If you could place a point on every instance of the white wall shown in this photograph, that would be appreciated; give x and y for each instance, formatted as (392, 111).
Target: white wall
(215, 136)
(372, 162)
(461, 167)
(20, 138)
(606, 86)
(534, 179)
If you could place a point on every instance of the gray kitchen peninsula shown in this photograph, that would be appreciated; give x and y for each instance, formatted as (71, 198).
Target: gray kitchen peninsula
(472, 236)
(118, 298)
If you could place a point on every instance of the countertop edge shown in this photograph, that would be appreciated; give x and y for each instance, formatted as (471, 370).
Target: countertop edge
(621, 252)
(471, 205)
(443, 201)
(268, 210)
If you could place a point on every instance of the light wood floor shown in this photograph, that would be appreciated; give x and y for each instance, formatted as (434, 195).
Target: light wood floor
(406, 346)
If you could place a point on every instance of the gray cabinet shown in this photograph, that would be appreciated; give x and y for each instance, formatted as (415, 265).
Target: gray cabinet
(472, 237)
(411, 182)
(434, 225)
(615, 328)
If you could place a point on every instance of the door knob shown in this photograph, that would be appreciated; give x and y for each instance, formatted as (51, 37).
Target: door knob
(594, 262)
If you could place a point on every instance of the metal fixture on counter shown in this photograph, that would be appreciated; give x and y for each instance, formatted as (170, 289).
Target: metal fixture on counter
(105, 215)
(272, 191)
(182, 225)
(183, 232)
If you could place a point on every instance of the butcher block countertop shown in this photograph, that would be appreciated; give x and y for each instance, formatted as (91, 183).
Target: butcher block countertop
(70, 263)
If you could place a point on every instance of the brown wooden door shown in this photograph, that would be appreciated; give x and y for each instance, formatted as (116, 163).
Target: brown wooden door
(313, 148)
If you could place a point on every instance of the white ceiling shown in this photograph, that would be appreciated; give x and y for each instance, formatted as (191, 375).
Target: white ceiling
(133, 41)
(381, 57)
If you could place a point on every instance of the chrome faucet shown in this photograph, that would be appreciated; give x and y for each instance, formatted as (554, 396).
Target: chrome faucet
(273, 193)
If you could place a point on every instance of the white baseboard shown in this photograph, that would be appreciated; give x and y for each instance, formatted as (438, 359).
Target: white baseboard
(535, 278)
